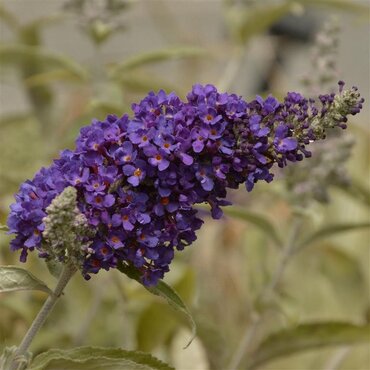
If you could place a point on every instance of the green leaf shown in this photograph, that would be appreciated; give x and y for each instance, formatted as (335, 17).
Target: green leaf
(158, 322)
(13, 278)
(344, 5)
(254, 218)
(245, 23)
(4, 228)
(143, 84)
(48, 77)
(345, 275)
(37, 24)
(331, 230)
(16, 53)
(358, 191)
(155, 57)
(96, 358)
(307, 337)
(165, 291)
(8, 18)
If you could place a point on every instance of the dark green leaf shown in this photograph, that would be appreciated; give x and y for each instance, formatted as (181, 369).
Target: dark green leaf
(331, 230)
(165, 291)
(155, 57)
(11, 54)
(307, 337)
(96, 358)
(13, 278)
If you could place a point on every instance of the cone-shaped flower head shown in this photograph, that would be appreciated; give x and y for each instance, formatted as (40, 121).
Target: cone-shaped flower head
(138, 178)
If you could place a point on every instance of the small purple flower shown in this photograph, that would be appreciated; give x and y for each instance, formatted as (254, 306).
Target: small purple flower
(100, 201)
(158, 160)
(135, 173)
(283, 143)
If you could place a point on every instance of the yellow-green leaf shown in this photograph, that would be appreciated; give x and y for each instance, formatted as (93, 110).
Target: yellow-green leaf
(165, 291)
(254, 218)
(307, 337)
(331, 230)
(17, 53)
(155, 57)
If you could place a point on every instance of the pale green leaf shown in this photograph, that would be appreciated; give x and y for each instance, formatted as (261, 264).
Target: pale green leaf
(254, 218)
(245, 23)
(359, 7)
(96, 358)
(158, 322)
(37, 24)
(49, 77)
(345, 275)
(307, 337)
(143, 83)
(8, 18)
(13, 278)
(155, 57)
(331, 230)
(16, 53)
(358, 191)
(165, 291)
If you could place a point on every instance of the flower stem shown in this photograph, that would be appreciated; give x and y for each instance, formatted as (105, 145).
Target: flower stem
(265, 296)
(49, 304)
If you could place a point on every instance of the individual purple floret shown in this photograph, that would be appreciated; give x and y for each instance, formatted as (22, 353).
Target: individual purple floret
(138, 178)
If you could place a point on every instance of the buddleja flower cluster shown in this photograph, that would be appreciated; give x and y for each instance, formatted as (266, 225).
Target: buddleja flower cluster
(138, 178)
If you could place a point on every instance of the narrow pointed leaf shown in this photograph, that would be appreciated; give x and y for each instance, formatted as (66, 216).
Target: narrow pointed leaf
(256, 19)
(96, 358)
(13, 278)
(165, 291)
(307, 337)
(358, 7)
(49, 77)
(16, 53)
(358, 191)
(330, 231)
(8, 18)
(254, 218)
(155, 57)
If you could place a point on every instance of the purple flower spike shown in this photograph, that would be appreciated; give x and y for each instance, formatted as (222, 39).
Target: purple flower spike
(138, 178)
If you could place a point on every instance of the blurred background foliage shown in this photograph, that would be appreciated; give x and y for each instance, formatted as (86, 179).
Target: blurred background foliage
(282, 282)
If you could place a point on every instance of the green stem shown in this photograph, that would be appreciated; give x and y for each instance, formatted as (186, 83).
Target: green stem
(49, 304)
(265, 296)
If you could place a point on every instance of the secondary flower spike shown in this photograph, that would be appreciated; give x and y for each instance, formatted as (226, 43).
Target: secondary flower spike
(138, 178)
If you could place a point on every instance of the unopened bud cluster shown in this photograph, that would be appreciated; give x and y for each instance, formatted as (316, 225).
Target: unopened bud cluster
(66, 230)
